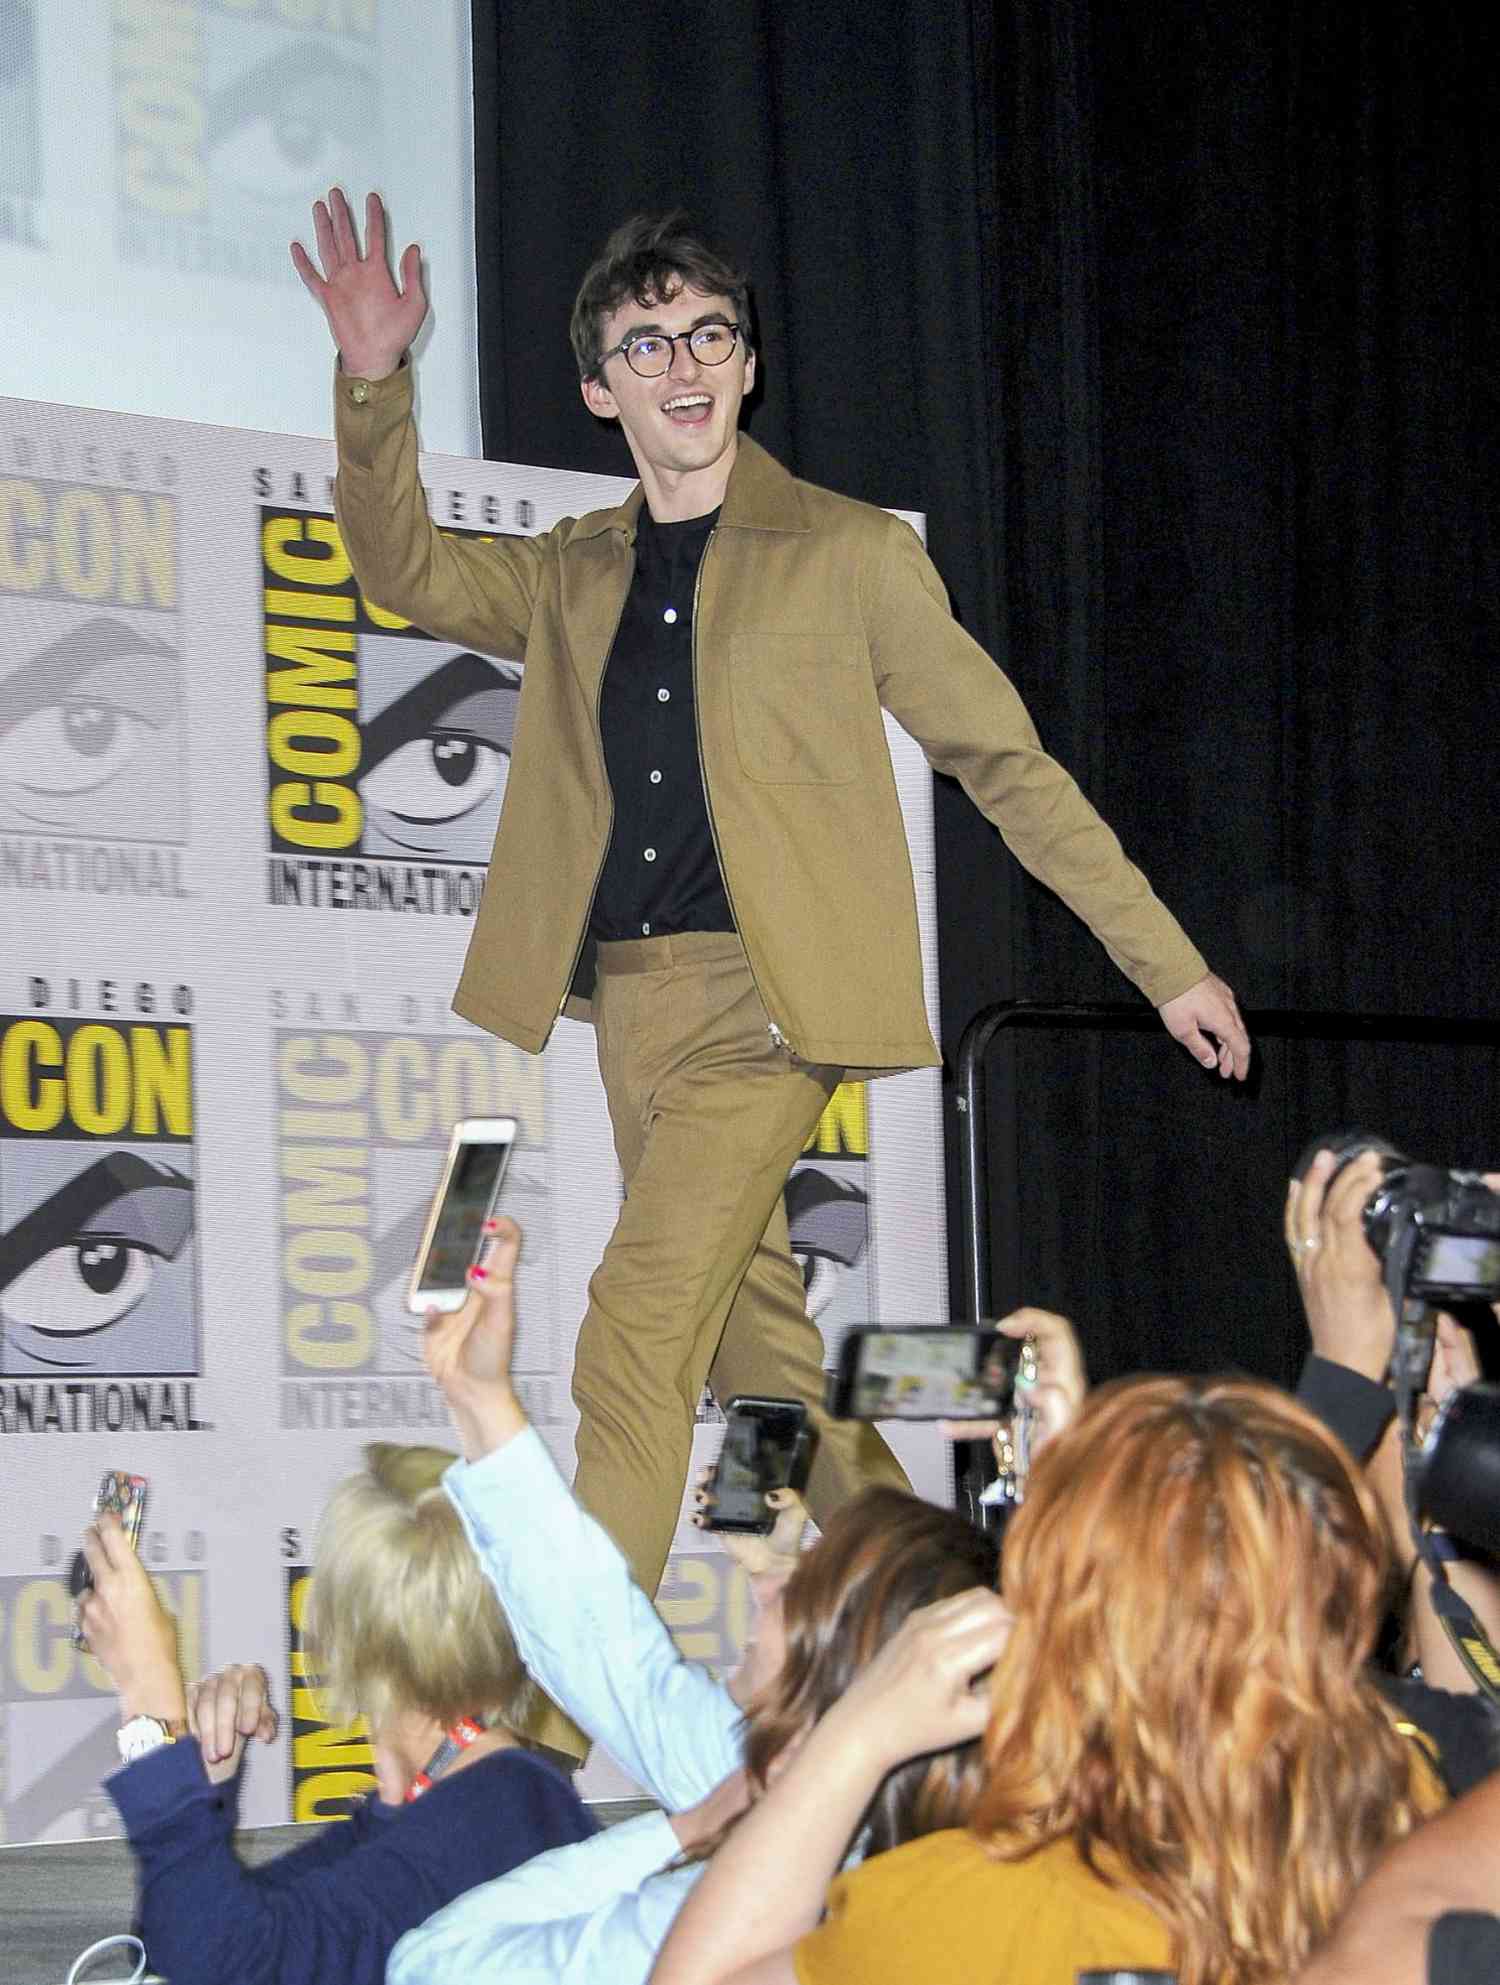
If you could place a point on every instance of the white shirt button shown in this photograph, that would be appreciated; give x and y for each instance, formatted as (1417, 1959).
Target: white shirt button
(651, 854)
(645, 930)
(670, 616)
(663, 695)
(656, 778)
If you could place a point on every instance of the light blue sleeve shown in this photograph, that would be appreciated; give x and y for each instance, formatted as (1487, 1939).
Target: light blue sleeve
(527, 1927)
(586, 1630)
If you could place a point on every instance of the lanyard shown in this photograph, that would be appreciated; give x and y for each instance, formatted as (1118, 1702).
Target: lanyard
(467, 1730)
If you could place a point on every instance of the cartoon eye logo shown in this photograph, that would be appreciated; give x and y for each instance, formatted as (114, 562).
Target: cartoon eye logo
(300, 119)
(829, 1226)
(79, 711)
(71, 747)
(88, 1254)
(442, 749)
(80, 1288)
(436, 778)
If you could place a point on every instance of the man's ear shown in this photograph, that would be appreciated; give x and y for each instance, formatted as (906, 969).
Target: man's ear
(749, 370)
(598, 398)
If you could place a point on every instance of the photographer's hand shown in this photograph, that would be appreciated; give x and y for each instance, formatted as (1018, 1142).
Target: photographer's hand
(1349, 1314)
(773, 1556)
(373, 323)
(1061, 1385)
(129, 1632)
(468, 1351)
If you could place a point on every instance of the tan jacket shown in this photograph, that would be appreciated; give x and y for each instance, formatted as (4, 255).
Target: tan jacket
(814, 614)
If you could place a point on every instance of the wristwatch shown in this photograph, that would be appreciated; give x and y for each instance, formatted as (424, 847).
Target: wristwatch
(144, 1734)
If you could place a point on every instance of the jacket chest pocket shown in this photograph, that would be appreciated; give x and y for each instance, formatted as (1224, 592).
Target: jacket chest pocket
(801, 704)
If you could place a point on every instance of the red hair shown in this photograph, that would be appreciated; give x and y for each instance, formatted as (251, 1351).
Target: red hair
(1198, 1574)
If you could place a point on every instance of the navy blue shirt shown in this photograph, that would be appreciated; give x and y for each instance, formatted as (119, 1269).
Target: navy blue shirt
(327, 1913)
(661, 874)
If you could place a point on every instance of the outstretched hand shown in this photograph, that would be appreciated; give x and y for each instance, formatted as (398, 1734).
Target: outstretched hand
(372, 320)
(468, 1351)
(1206, 1020)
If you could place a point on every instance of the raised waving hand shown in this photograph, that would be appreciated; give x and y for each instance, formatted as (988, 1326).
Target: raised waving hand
(373, 321)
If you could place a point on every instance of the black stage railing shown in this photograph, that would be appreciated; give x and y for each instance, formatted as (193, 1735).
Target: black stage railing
(1290, 1024)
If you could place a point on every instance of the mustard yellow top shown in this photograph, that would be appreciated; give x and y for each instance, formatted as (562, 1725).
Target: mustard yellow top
(939, 1911)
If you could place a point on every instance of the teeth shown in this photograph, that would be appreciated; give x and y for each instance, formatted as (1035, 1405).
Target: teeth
(685, 400)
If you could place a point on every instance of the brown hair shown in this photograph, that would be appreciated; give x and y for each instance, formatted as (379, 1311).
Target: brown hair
(884, 1554)
(651, 257)
(400, 1615)
(1197, 1576)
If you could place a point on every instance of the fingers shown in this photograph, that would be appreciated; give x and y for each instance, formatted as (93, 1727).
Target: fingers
(229, 1705)
(328, 253)
(312, 281)
(411, 269)
(374, 226)
(1304, 1205)
(967, 1430)
(343, 226)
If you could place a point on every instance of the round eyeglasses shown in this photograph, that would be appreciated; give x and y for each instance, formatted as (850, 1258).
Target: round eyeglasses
(649, 353)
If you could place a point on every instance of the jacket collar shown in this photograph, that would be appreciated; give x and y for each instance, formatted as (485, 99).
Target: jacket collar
(761, 496)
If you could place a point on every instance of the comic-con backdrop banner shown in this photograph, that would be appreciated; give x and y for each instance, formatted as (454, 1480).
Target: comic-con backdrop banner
(244, 817)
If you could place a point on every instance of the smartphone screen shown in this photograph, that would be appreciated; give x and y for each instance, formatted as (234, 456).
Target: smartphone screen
(939, 1372)
(472, 1185)
(759, 1454)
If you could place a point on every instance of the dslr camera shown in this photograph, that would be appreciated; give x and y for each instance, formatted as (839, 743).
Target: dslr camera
(1436, 1234)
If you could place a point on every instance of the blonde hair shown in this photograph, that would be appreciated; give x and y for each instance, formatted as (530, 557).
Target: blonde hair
(1197, 1576)
(400, 1616)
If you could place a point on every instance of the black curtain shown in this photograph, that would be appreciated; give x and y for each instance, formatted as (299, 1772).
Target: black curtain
(1180, 325)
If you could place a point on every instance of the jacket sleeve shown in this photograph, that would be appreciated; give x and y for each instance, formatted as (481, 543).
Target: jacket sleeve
(587, 1632)
(942, 687)
(461, 589)
(528, 1928)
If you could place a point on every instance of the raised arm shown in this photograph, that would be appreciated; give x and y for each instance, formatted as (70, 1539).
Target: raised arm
(584, 1628)
(462, 589)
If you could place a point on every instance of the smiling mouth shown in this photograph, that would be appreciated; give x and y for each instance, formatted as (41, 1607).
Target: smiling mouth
(688, 409)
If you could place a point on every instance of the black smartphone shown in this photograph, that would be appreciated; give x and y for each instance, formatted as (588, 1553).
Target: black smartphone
(923, 1371)
(767, 1445)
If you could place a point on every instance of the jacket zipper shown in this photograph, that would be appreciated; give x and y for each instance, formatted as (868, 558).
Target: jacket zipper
(609, 835)
(778, 1039)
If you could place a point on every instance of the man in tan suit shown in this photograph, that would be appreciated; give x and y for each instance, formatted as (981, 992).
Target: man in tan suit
(701, 791)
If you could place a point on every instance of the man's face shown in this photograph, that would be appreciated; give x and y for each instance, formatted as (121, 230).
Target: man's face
(682, 427)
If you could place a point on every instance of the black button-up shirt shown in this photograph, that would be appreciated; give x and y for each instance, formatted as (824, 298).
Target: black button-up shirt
(661, 874)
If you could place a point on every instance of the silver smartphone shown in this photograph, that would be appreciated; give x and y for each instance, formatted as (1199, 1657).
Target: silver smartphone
(464, 1200)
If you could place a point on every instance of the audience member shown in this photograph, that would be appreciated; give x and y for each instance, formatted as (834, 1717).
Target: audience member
(1352, 1327)
(404, 1628)
(1187, 1764)
(701, 1747)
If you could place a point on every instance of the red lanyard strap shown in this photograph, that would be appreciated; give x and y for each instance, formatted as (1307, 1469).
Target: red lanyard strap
(466, 1731)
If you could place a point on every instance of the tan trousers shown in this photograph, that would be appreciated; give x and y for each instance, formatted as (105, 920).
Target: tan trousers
(698, 1281)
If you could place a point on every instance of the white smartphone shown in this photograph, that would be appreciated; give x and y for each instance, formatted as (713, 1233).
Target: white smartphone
(464, 1200)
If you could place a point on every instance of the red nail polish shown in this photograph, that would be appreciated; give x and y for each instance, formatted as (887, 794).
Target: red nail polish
(492, 1226)
(477, 1274)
